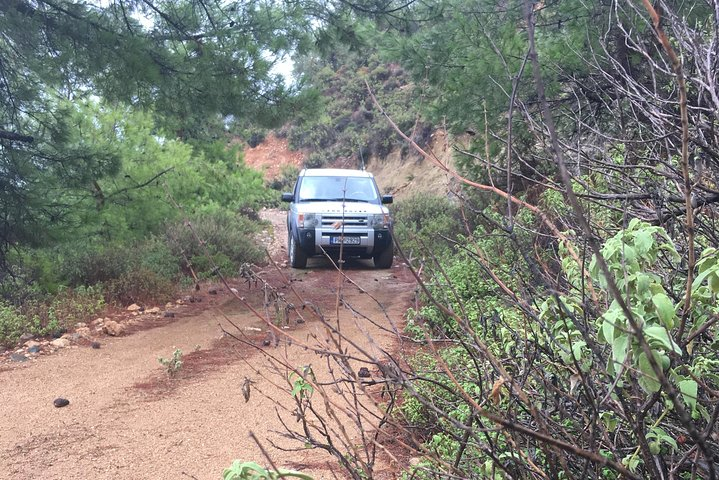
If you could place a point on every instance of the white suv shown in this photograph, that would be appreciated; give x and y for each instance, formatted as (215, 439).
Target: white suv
(336, 210)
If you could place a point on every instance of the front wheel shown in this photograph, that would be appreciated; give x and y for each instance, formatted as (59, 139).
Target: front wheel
(298, 258)
(384, 258)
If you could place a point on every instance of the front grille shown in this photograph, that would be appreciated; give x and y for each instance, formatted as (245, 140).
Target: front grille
(338, 221)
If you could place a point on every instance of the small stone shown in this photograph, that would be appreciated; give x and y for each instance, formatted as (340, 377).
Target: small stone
(60, 402)
(95, 345)
(32, 343)
(134, 308)
(266, 342)
(18, 357)
(60, 343)
(212, 291)
(83, 332)
(73, 337)
(169, 305)
(34, 349)
(180, 301)
(97, 321)
(364, 373)
(233, 289)
(80, 325)
(153, 310)
(169, 315)
(25, 337)
(300, 320)
(198, 299)
(113, 328)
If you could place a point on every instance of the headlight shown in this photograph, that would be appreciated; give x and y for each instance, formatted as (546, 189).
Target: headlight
(307, 220)
(379, 220)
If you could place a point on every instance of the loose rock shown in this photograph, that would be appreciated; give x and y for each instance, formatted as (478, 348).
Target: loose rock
(364, 373)
(32, 343)
(212, 291)
(83, 332)
(169, 315)
(61, 402)
(113, 328)
(34, 349)
(95, 345)
(60, 343)
(18, 357)
(25, 337)
(134, 308)
(73, 337)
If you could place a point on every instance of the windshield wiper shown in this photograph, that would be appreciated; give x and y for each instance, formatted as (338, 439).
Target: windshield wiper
(349, 200)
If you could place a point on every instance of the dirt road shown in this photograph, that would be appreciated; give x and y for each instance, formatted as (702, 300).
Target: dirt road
(128, 419)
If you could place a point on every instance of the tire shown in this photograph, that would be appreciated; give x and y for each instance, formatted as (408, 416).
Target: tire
(384, 258)
(297, 257)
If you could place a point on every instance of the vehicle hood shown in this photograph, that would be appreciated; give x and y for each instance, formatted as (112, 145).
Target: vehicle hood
(336, 208)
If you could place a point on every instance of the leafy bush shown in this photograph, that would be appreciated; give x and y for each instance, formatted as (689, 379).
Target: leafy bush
(222, 233)
(51, 315)
(12, 324)
(89, 263)
(172, 365)
(422, 221)
(140, 286)
(285, 181)
(253, 471)
(316, 160)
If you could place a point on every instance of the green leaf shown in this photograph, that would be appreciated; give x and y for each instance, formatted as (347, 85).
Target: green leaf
(619, 349)
(648, 379)
(643, 240)
(689, 390)
(714, 282)
(700, 278)
(610, 320)
(661, 338)
(665, 309)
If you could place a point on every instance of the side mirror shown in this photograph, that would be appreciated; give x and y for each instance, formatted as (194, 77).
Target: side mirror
(387, 198)
(287, 197)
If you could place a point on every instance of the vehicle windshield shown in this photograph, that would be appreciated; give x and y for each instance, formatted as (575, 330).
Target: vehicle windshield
(355, 189)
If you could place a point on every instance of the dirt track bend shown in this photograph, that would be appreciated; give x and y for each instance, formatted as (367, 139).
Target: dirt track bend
(127, 419)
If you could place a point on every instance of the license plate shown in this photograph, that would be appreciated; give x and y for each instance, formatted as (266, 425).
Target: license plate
(345, 240)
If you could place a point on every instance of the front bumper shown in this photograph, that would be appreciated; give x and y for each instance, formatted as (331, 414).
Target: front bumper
(314, 240)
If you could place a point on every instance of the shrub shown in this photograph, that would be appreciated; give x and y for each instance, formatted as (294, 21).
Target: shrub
(424, 220)
(61, 312)
(315, 160)
(51, 315)
(12, 324)
(223, 234)
(157, 256)
(140, 286)
(172, 365)
(286, 179)
(90, 264)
